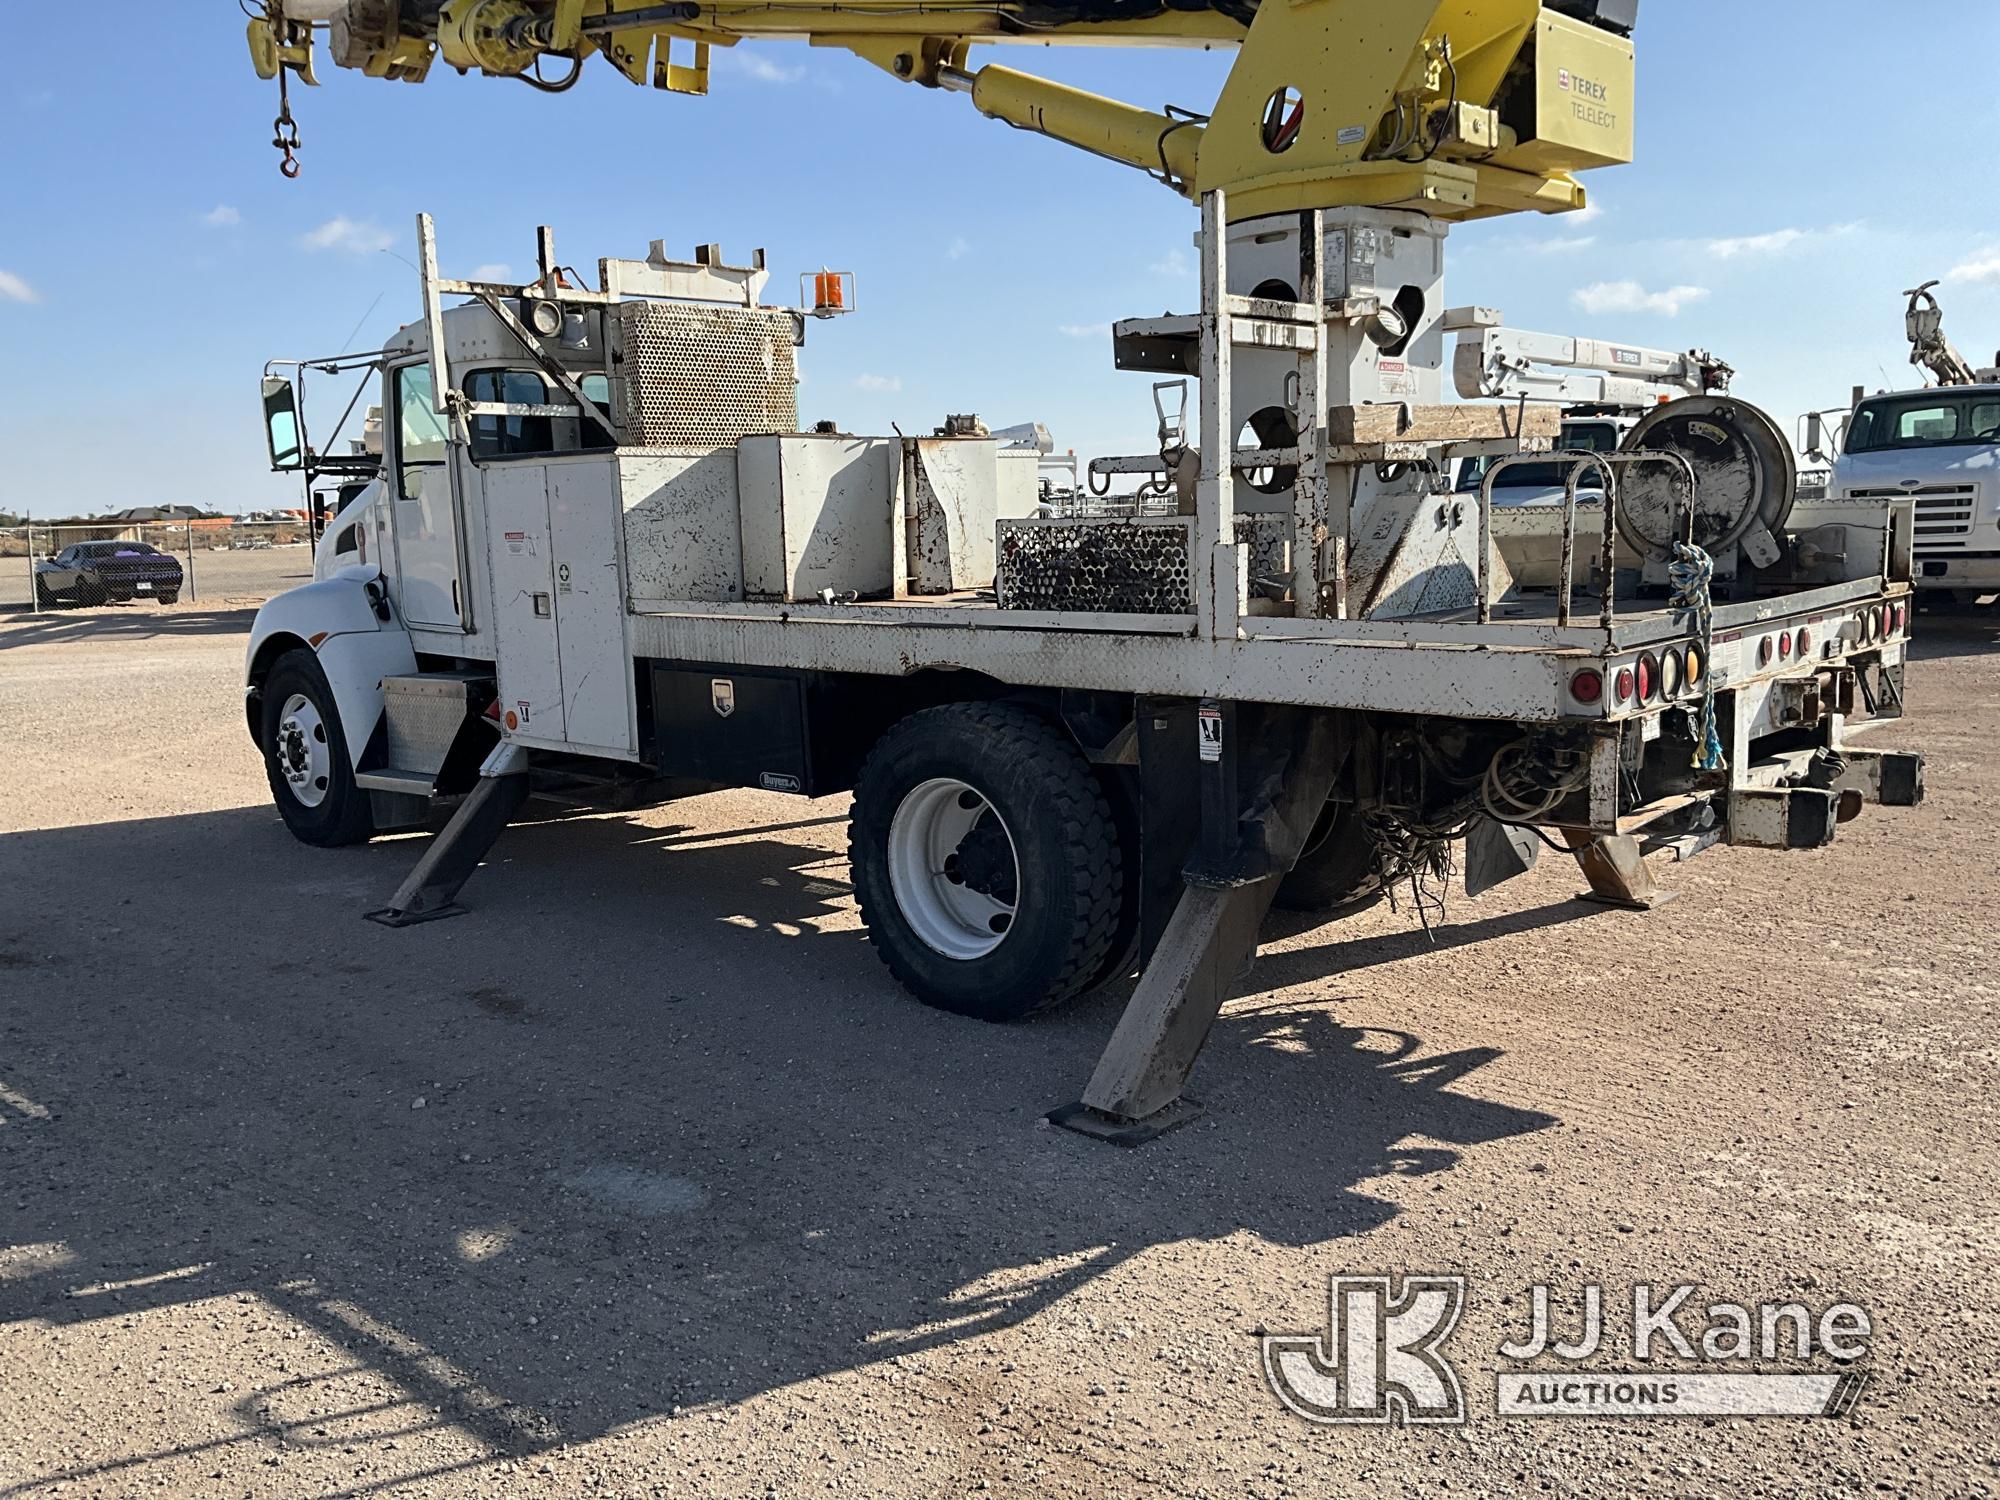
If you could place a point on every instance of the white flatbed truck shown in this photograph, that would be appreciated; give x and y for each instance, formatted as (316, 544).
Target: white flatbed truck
(598, 557)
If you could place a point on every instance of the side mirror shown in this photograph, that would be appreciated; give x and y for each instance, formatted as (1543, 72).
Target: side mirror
(281, 424)
(1815, 435)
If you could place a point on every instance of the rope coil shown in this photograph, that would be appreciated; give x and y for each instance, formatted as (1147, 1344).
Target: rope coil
(1691, 576)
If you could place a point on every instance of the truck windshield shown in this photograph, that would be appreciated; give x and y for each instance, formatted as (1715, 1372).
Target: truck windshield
(1926, 419)
(1584, 437)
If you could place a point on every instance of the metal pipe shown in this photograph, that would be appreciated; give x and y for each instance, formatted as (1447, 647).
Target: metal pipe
(1486, 552)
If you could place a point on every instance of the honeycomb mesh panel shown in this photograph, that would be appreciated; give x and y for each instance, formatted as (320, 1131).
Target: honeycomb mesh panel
(1112, 566)
(698, 377)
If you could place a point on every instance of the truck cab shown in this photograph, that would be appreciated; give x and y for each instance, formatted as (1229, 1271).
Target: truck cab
(1940, 448)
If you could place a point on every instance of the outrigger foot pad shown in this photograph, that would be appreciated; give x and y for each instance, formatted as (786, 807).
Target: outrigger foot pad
(390, 916)
(1099, 1126)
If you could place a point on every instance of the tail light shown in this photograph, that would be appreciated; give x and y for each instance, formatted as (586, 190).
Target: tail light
(1785, 646)
(1649, 678)
(1805, 642)
(1672, 675)
(1696, 667)
(1587, 686)
(1624, 683)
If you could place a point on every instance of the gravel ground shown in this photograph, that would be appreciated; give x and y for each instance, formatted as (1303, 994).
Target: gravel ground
(643, 1178)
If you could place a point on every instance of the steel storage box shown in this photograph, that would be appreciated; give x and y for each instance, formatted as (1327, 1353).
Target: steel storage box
(817, 515)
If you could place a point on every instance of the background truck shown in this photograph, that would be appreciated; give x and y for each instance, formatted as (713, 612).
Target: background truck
(600, 559)
(1938, 449)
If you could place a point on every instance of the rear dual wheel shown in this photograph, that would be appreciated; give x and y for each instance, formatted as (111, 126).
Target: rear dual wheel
(1340, 872)
(987, 861)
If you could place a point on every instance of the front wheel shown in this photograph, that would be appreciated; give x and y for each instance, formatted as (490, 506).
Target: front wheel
(305, 756)
(986, 861)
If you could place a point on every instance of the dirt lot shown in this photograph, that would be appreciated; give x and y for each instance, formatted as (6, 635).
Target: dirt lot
(643, 1179)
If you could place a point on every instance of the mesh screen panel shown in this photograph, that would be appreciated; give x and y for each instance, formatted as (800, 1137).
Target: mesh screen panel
(699, 377)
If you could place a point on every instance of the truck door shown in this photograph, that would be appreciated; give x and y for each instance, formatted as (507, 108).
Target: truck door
(426, 517)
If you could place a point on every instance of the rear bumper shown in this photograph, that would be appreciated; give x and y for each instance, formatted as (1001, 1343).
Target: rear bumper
(1797, 800)
(1961, 570)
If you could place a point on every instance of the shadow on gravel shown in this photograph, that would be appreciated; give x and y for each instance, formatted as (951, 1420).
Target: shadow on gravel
(118, 622)
(676, 1145)
(1940, 636)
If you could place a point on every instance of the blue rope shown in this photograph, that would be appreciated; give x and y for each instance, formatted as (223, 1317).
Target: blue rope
(1690, 575)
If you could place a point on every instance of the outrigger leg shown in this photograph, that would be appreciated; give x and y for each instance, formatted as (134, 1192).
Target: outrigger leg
(1258, 807)
(431, 889)
(1617, 874)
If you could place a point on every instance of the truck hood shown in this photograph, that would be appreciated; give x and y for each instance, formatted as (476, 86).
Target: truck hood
(1969, 463)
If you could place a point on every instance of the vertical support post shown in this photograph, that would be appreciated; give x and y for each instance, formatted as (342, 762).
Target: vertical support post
(187, 584)
(1311, 507)
(1609, 613)
(545, 256)
(427, 269)
(34, 588)
(1218, 562)
(1486, 555)
(1565, 599)
(905, 496)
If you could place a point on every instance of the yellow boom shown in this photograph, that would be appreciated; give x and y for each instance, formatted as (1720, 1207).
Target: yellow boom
(1458, 108)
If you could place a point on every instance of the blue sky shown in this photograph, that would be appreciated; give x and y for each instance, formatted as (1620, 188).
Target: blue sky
(1800, 164)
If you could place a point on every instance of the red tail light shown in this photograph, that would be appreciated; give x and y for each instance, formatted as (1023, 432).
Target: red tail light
(1785, 647)
(1587, 686)
(1624, 683)
(1805, 642)
(1649, 678)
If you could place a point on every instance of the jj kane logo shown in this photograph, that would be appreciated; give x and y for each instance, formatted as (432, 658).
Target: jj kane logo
(1382, 1357)
(1379, 1361)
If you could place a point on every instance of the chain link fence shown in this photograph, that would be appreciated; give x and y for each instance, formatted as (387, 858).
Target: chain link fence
(151, 564)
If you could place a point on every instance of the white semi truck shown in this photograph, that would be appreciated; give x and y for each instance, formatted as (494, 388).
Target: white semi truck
(598, 556)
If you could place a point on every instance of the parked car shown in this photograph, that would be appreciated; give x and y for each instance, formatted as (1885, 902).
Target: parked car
(107, 572)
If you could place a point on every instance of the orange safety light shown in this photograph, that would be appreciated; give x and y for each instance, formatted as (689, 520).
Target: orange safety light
(832, 293)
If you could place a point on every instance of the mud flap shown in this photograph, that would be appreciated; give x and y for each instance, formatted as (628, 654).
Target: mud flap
(1497, 852)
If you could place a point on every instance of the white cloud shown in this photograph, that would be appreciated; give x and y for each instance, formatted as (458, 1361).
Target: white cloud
(1630, 296)
(222, 216)
(1173, 263)
(1083, 330)
(492, 271)
(1569, 246)
(1978, 270)
(879, 384)
(755, 65)
(355, 236)
(14, 289)
(1776, 243)
(958, 249)
(1590, 213)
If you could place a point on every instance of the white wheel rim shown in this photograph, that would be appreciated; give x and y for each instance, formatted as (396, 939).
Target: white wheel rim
(951, 876)
(301, 751)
